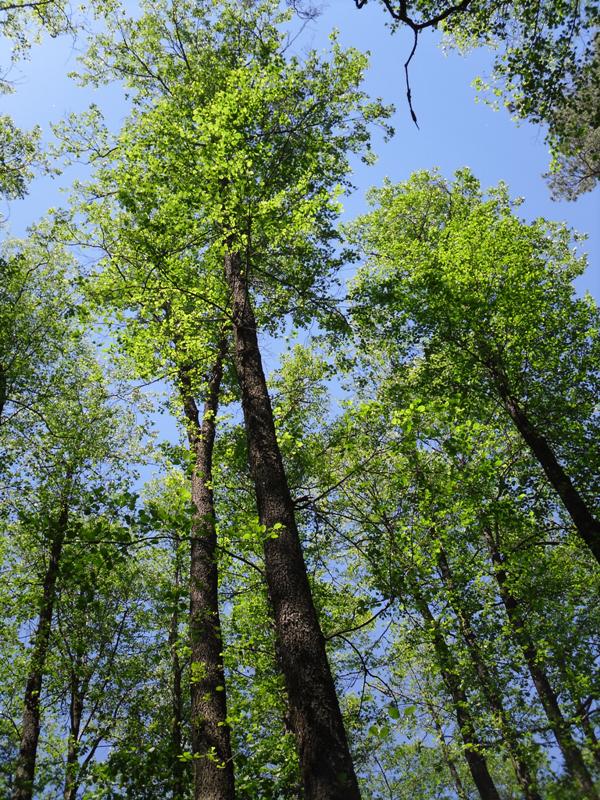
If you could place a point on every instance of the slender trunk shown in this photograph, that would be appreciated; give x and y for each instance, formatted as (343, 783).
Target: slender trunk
(489, 686)
(458, 784)
(30, 732)
(587, 525)
(324, 755)
(211, 745)
(176, 697)
(568, 747)
(474, 757)
(75, 715)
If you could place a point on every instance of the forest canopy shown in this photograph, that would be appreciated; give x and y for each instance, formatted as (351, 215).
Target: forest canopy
(295, 503)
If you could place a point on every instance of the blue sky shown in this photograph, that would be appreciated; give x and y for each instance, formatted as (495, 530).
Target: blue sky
(455, 131)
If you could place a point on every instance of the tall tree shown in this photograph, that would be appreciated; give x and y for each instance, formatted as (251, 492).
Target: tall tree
(167, 315)
(488, 682)
(473, 746)
(411, 488)
(489, 301)
(211, 746)
(62, 471)
(548, 697)
(95, 661)
(146, 289)
(270, 140)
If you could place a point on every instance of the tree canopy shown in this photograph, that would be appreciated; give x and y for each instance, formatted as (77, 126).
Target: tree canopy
(294, 505)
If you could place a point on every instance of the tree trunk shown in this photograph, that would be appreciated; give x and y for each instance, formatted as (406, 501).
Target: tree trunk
(75, 714)
(324, 755)
(568, 747)
(489, 686)
(177, 774)
(472, 749)
(211, 745)
(586, 524)
(30, 733)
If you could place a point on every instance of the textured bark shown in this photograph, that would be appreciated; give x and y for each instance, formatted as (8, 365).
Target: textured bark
(489, 686)
(75, 715)
(211, 745)
(315, 717)
(560, 727)
(177, 769)
(586, 524)
(472, 749)
(30, 730)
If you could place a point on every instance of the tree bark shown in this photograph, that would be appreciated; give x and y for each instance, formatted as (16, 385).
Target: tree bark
(568, 747)
(586, 524)
(488, 686)
(177, 773)
(472, 749)
(30, 733)
(211, 745)
(325, 761)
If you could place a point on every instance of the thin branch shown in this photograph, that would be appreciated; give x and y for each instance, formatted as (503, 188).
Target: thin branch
(363, 624)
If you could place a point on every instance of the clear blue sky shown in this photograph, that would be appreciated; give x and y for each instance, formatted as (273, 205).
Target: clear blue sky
(455, 131)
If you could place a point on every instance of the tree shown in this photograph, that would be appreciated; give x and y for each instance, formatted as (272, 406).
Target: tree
(210, 730)
(414, 491)
(571, 752)
(159, 337)
(266, 140)
(165, 333)
(488, 301)
(146, 290)
(71, 439)
(96, 661)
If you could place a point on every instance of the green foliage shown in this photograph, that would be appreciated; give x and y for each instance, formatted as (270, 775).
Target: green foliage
(232, 144)
(229, 144)
(37, 309)
(575, 133)
(19, 154)
(461, 282)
